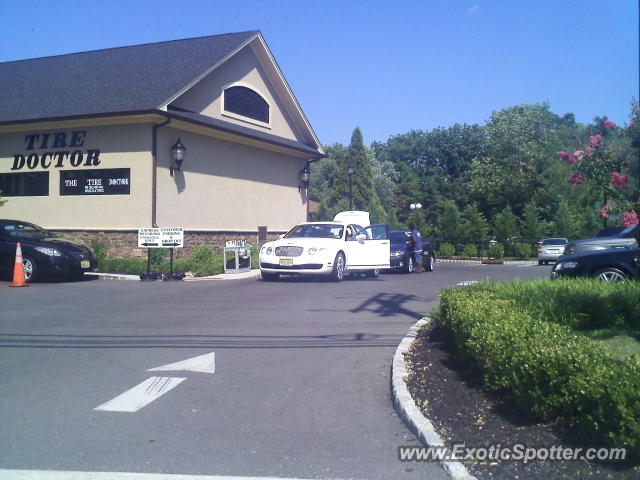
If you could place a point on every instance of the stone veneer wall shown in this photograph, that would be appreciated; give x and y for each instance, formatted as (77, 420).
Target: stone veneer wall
(124, 244)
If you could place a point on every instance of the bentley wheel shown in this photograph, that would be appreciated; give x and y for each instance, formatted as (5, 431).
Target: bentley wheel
(339, 265)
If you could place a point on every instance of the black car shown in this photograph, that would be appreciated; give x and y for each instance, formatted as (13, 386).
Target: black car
(402, 252)
(43, 254)
(628, 238)
(615, 265)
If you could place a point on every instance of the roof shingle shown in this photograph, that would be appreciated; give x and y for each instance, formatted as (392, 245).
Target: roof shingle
(125, 79)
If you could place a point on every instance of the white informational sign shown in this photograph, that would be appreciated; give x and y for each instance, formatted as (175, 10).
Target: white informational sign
(172, 237)
(168, 237)
(149, 237)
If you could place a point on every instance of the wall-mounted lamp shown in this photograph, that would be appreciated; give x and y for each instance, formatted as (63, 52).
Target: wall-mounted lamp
(305, 175)
(177, 152)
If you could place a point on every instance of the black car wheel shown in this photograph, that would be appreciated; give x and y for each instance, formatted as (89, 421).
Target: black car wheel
(375, 273)
(408, 266)
(30, 269)
(269, 277)
(430, 265)
(610, 274)
(337, 274)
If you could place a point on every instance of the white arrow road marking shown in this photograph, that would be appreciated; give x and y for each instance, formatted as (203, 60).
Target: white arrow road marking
(202, 364)
(141, 395)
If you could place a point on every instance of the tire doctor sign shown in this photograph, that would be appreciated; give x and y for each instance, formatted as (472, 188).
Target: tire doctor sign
(167, 237)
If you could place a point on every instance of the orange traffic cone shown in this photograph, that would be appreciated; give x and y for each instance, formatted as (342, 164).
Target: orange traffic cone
(18, 270)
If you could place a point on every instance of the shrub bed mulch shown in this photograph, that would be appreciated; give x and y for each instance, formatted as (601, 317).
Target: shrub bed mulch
(453, 399)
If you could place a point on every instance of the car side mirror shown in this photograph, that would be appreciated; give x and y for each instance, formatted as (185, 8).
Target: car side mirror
(361, 237)
(281, 235)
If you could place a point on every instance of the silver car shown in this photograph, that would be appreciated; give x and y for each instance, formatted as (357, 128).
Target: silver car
(550, 249)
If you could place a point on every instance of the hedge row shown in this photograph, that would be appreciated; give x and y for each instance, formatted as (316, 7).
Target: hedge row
(204, 261)
(546, 369)
(583, 304)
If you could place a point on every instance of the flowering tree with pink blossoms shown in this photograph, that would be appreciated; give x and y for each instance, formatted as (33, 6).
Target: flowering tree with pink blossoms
(602, 166)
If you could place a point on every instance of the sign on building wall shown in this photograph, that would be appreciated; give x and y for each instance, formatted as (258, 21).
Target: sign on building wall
(105, 181)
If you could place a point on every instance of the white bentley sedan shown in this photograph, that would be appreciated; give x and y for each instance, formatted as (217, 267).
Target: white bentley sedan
(333, 248)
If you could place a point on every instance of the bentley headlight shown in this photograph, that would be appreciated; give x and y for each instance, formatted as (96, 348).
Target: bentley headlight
(52, 252)
(269, 250)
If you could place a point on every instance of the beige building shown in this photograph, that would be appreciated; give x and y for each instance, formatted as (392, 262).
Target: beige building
(86, 142)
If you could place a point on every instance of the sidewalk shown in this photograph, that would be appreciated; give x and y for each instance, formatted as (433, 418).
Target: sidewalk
(223, 276)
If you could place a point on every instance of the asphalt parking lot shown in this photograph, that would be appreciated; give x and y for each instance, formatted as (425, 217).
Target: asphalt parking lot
(242, 377)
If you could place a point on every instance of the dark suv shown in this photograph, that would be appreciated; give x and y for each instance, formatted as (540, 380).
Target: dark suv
(628, 238)
(43, 253)
(402, 249)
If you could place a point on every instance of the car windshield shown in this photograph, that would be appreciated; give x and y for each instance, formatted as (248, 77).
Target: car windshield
(26, 230)
(316, 230)
(399, 237)
(554, 241)
(627, 232)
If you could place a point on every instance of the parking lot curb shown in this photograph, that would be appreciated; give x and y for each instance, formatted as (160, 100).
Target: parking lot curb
(478, 262)
(223, 276)
(409, 412)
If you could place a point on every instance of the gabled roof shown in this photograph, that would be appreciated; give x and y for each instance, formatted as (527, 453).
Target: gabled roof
(124, 80)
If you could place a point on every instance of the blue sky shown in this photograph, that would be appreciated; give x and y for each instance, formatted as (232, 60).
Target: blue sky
(385, 66)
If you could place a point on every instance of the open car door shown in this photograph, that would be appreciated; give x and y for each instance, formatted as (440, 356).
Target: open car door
(375, 249)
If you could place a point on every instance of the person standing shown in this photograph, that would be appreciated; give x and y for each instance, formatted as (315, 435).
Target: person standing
(417, 247)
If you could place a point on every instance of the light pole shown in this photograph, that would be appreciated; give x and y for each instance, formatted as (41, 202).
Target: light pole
(350, 172)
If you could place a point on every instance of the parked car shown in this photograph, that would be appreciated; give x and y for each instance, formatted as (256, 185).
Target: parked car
(550, 249)
(44, 255)
(628, 238)
(616, 265)
(333, 249)
(402, 252)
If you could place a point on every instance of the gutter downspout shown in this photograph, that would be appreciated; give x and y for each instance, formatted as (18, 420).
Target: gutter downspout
(154, 175)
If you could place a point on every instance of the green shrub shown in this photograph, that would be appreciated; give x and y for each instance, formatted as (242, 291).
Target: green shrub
(158, 255)
(545, 367)
(496, 250)
(99, 250)
(202, 253)
(523, 251)
(446, 250)
(131, 266)
(470, 251)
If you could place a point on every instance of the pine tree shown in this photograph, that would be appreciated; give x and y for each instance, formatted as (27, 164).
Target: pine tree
(505, 227)
(450, 223)
(531, 227)
(362, 185)
(476, 227)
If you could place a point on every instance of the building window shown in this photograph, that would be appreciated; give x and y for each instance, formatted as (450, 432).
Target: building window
(246, 102)
(26, 184)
